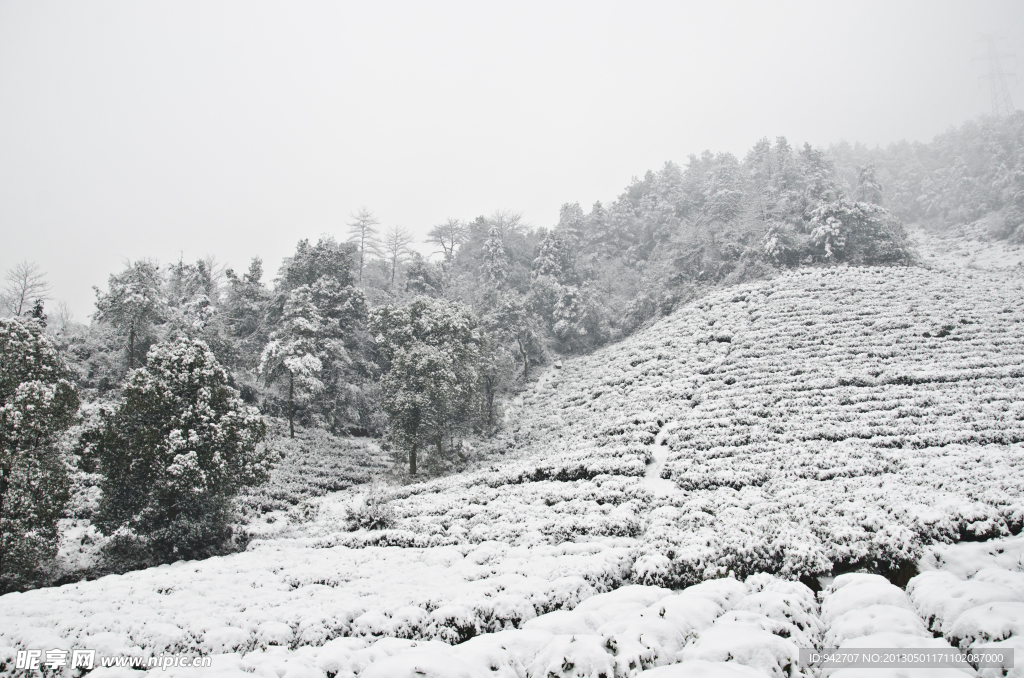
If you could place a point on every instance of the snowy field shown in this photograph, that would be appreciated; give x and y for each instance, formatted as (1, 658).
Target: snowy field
(253, 621)
(823, 421)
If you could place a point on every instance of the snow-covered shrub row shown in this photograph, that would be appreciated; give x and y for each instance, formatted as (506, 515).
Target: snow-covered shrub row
(310, 465)
(984, 611)
(987, 607)
(717, 628)
(859, 415)
(866, 611)
(843, 416)
(281, 593)
(530, 513)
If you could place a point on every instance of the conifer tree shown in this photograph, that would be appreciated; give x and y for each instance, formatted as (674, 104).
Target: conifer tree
(174, 452)
(37, 402)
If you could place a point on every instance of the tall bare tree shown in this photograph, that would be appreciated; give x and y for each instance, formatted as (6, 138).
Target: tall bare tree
(363, 233)
(65, 316)
(396, 249)
(26, 284)
(448, 236)
(506, 222)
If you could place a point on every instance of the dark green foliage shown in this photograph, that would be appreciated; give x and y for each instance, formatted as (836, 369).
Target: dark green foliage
(318, 344)
(37, 403)
(429, 351)
(132, 305)
(174, 453)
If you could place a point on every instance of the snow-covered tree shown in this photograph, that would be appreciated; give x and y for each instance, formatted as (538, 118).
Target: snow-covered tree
(396, 251)
(572, 223)
(430, 350)
(245, 312)
(174, 453)
(37, 403)
(557, 258)
(507, 222)
(132, 303)
(293, 350)
(334, 333)
(496, 369)
(868, 188)
(858, 233)
(495, 265)
(424, 277)
(511, 323)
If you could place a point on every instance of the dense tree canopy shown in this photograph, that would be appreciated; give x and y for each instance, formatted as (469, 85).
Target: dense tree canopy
(174, 452)
(132, 304)
(38, 401)
(429, 349)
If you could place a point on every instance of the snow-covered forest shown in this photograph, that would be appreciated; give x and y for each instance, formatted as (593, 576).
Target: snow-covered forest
(751, 405)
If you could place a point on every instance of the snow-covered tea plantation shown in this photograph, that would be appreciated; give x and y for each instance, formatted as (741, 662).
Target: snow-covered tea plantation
(825, 422)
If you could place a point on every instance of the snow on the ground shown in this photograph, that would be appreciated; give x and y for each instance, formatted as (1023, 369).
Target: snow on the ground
(284, 594)
(844, 417)
(719, 628)
(659, 455)
(967, 246)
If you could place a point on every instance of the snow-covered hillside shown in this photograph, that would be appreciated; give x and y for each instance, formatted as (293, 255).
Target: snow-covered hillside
(828, 418)
(822, 421)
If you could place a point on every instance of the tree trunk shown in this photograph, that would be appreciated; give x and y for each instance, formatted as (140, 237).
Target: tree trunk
(291, 404)
(5, 484)
(489, 389)
(412, 460)
(131, 345)
(526, 359)
(362, 254)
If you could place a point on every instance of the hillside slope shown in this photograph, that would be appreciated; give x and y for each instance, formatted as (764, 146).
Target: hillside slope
(821, 421)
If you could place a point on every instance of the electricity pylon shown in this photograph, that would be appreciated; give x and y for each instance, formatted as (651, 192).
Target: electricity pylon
(1001, 102)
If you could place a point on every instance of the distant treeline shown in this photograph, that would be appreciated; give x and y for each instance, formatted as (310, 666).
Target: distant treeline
(963, 175)
(537, 292)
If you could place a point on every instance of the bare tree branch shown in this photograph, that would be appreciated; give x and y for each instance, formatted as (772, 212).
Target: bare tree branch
(26, 284)
(396, 248)
(363, 233)
(448, 236)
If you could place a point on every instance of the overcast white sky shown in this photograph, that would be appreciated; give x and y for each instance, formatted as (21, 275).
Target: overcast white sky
(131, 129)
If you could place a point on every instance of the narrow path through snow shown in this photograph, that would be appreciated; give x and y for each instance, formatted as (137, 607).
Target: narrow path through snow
(659, 455)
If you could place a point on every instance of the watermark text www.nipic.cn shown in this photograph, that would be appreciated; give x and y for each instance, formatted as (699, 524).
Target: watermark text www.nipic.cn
(36, 660)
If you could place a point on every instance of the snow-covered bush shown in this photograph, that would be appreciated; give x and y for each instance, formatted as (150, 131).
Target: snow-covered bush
(371, 511)
(174, 453)
(37, 402)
